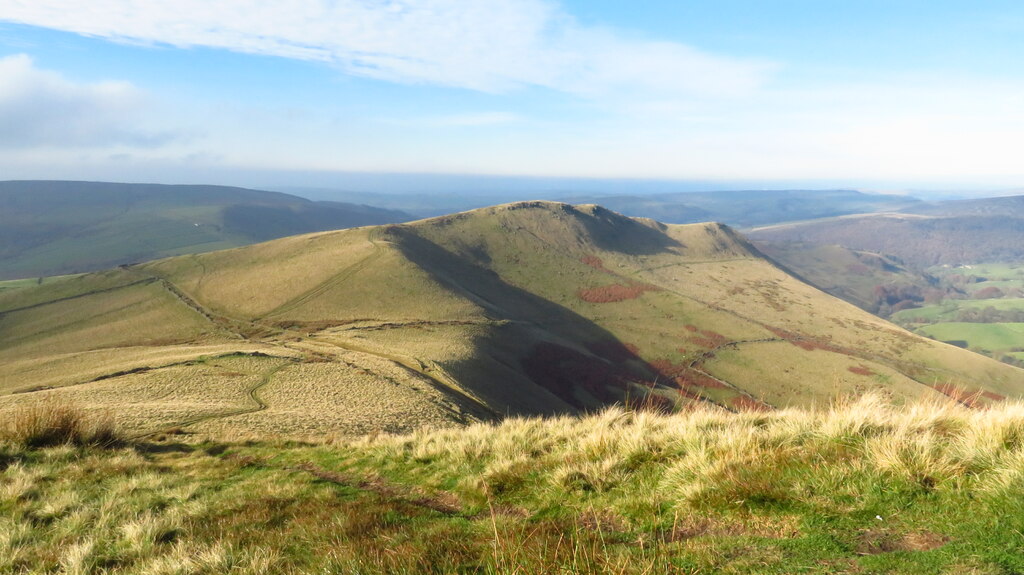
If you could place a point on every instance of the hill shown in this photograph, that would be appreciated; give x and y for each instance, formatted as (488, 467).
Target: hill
(748, 208)
(56, 227)
(1012, 206)
(946, 233)
(873, 282)
(740, 208)
(527, 308)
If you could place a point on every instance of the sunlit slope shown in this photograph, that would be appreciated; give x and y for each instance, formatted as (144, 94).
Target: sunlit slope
(526, 308)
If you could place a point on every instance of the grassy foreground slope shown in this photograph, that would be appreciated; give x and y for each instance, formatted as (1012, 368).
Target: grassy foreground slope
(527, 308)
(860, 488)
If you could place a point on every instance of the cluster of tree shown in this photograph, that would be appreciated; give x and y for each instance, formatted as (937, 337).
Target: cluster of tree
(1012, 360)
(889, 299)
(990, 314)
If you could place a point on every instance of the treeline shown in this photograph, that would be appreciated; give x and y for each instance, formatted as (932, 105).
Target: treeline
(989, 314)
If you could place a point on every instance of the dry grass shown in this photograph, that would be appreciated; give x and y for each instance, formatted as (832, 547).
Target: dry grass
(865, 486)
(711, 457)
(54, 422)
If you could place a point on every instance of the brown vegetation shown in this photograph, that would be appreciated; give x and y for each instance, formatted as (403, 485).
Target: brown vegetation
(860, 370)
(615, 292)
(54, 422)
(594, 262)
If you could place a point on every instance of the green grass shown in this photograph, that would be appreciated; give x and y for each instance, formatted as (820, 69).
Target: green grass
(992, 337)
(947, 310)
(8, 285)
(992, 270)
(864, 487)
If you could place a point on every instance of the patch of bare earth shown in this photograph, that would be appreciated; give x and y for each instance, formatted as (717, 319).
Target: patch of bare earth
(881, 540)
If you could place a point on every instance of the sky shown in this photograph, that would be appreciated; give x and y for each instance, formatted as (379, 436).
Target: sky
(884, 94)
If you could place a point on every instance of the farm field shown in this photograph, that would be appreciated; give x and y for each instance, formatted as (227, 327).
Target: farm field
(991, 337)
(988, 320)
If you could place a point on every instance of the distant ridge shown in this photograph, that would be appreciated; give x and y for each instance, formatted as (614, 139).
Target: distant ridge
(950, 233)
(60, 227)
(530, 308)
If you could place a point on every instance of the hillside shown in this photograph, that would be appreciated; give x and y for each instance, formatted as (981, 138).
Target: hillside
(55, 227)
(1012, 206)
(873, 282)
(527, 308)
(916, 239)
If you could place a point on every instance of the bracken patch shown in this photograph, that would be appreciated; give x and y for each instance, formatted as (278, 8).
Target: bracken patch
(615, 292)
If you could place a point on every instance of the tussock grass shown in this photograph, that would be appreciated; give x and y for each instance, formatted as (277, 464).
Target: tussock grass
(53, 421)
(864, 486)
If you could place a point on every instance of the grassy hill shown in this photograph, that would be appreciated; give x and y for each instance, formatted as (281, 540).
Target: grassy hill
(917, 240)
(863, 487)
(528, 308)
(56, 227)
(873, 282)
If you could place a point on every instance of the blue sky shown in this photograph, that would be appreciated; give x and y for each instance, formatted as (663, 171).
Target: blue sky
(867, 93)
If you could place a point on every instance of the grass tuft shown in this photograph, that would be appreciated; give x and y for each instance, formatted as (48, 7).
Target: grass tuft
(52, 422)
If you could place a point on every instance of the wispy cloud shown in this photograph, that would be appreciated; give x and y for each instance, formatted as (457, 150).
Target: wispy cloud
(485, 45)
(40, 108)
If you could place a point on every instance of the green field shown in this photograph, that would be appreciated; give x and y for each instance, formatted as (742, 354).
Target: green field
(991, 327)
(992, 337)
(948, 310)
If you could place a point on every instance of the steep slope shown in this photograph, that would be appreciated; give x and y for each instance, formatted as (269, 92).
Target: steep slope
(873, 282)
(527, 308)
(54, 227)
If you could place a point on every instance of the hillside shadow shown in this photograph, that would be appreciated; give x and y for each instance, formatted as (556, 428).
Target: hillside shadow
(614, 232)
(548, 358)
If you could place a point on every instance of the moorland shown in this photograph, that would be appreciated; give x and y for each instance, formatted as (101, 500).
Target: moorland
(531, 387)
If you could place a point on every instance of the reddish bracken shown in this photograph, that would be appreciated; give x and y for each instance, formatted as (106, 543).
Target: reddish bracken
(967, 397)
(695, 379)
(708, 339)
(860, 370)
(594, 262)
(615, 292)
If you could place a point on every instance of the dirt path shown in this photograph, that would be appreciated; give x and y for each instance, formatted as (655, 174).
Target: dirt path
(252, 393)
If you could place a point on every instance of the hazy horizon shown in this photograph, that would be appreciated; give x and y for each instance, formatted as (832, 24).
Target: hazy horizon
(729, 94)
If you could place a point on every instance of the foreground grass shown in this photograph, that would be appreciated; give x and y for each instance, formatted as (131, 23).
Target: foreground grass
(864, 487)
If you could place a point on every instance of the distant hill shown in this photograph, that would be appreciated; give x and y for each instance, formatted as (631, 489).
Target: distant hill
(61, 227)
(747, 208)
(741, 208)
(917, 240)
(1006, 206)
(527, 308)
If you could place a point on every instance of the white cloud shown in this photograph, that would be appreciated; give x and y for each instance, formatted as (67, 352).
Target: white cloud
(486, 45)
(40, 108)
